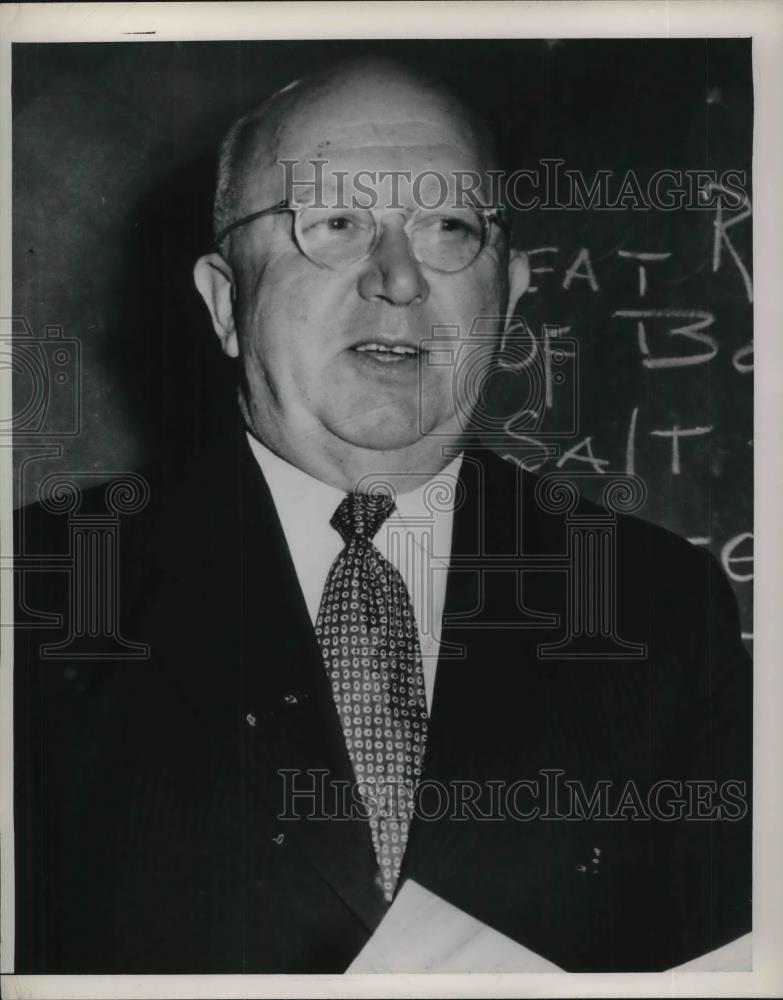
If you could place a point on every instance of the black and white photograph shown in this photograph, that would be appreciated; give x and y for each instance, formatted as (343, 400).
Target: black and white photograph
(379, 513)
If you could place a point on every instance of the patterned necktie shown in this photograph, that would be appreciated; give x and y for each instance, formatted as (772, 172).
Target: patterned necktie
(370, 644)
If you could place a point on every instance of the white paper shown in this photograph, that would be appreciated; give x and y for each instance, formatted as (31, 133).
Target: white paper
(423, 933)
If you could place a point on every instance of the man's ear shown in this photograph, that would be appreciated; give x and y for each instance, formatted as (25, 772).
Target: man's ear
(518, 280)
(215, 283)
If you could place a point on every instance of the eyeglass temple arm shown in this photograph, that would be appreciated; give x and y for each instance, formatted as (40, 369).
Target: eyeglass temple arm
(497, 215)
(281, 206)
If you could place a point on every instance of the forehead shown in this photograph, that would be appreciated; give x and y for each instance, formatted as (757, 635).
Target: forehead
(368, 123)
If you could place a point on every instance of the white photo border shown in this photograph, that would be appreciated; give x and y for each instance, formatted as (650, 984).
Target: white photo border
(761, 20)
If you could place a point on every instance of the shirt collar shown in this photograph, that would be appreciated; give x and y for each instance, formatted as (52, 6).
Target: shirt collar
(302, 500)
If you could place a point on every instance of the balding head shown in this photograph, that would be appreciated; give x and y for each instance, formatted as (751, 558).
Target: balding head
(364, 106)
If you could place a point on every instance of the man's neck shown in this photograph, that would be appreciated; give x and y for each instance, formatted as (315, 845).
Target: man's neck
(352, 469)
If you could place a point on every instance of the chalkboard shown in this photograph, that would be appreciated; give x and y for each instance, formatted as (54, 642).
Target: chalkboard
(639, 317)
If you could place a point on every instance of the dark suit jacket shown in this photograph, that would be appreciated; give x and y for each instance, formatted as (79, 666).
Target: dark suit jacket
(148, 792)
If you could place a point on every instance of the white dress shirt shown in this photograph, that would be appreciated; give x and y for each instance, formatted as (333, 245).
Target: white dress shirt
(416, 540)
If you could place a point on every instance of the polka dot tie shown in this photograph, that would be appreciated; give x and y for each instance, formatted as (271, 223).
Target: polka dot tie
(370, 644)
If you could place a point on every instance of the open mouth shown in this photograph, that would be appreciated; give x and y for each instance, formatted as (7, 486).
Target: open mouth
(388, 353)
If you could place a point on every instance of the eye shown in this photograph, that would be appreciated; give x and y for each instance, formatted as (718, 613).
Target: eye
(451, 225)
(460, 223)
(339, 223)
(325, 223)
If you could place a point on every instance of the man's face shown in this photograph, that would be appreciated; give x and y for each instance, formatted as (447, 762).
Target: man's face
(305, 334)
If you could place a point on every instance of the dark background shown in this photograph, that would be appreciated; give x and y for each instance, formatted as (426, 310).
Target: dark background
(113, 170)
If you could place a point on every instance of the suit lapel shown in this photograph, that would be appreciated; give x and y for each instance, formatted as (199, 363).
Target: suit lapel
(294, 737)
(487, 653)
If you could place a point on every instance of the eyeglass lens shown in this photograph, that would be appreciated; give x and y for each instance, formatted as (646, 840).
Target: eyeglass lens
(443, 240)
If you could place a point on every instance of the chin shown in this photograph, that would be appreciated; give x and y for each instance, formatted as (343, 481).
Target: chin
(381, 431)
(382, 437)
(388, 436)
(389, 427)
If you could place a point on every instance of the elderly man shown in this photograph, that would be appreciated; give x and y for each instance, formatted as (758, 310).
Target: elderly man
(363, 662)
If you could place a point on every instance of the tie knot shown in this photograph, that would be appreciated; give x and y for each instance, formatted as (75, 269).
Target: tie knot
(361, 515)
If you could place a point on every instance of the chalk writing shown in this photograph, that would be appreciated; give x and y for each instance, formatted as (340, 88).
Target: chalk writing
(573, 455)
(642, 270)
(675, 433)
(721, 225)
(543, 269)
(731, 560)
(581, 268)
(673, 406)
(739, 356)
(630, 443)
(691, 331)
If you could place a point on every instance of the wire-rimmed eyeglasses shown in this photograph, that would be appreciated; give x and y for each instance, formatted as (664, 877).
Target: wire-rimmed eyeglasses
(446, 240)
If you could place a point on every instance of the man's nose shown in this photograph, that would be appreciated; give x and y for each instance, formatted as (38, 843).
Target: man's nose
(392, 273)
